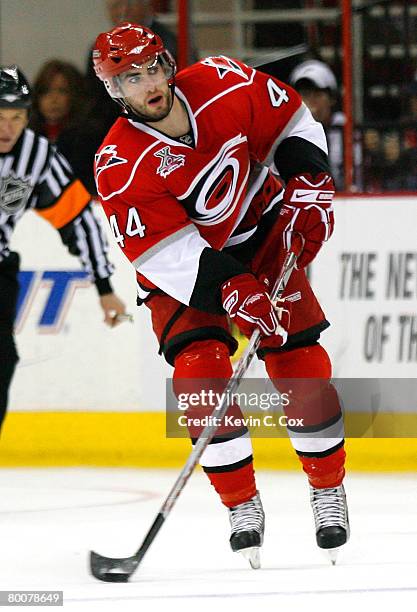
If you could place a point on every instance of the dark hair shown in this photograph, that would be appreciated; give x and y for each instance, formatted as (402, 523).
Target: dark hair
(77, 91)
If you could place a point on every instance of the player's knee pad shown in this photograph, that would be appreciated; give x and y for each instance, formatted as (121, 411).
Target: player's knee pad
(203, 359)
(203, 370)
(304, 362)
(303, 374)
(201, 373)
(311, 404)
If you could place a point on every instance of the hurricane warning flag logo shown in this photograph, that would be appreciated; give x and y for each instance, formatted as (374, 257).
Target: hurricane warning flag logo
(169, 161)
(107, 158)
(224, 65)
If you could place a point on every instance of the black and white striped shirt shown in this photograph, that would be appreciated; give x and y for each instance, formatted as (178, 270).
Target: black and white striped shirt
(34, 175)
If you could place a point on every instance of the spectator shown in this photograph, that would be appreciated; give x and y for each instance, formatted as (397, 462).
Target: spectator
(59, 99)
(392, 168)
(317, 85)
(399, 167)
(373, 160)
(61, 109)
(389, 158)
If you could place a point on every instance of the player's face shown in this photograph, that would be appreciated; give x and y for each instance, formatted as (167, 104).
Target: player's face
(12, 123)
(146, 90)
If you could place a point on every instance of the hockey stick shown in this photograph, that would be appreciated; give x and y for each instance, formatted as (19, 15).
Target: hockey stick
(261, 61)
(120, 570)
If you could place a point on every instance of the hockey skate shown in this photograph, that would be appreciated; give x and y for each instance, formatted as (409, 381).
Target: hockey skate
(247, 522)
(331, 518)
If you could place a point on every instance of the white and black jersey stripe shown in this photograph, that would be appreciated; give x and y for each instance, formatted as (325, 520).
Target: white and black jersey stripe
(34, 175)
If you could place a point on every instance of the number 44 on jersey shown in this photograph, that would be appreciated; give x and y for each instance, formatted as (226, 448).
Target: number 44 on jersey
(134, 227)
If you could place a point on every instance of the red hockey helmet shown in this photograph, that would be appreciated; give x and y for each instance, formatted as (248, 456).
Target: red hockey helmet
(129, 46)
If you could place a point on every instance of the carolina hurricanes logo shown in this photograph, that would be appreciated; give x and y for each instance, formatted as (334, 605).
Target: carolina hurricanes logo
(216, 191)
(224, 65)
(107, 158)
(169, 162)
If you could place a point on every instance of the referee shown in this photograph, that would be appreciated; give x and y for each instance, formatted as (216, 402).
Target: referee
(33, 175)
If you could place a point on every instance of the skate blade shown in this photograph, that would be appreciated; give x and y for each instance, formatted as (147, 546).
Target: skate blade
(253, 556)
(332, 553)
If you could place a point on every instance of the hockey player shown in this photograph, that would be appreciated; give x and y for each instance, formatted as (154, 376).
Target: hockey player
(33, 175)
(184, 178)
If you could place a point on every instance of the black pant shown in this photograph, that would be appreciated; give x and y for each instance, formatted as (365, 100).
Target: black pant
(9, 289)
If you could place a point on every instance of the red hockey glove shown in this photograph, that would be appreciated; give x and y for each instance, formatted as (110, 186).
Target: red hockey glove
(247, 303)
(307, 204)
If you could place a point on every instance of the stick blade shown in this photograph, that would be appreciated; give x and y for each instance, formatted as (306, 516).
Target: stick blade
(112, 570)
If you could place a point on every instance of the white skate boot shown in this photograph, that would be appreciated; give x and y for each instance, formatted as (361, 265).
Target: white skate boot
(247, 522)
(331, 518)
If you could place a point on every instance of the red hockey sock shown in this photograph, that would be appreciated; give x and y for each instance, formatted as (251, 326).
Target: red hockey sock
(234, 487)
(327, 471)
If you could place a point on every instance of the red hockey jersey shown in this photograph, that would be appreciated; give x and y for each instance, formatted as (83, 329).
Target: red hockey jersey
(169, 200)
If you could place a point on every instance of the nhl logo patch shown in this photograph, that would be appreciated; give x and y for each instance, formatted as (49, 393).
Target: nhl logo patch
(14, 194)
(169, 161)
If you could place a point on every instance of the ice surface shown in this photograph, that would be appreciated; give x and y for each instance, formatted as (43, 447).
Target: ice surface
(51, 518)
